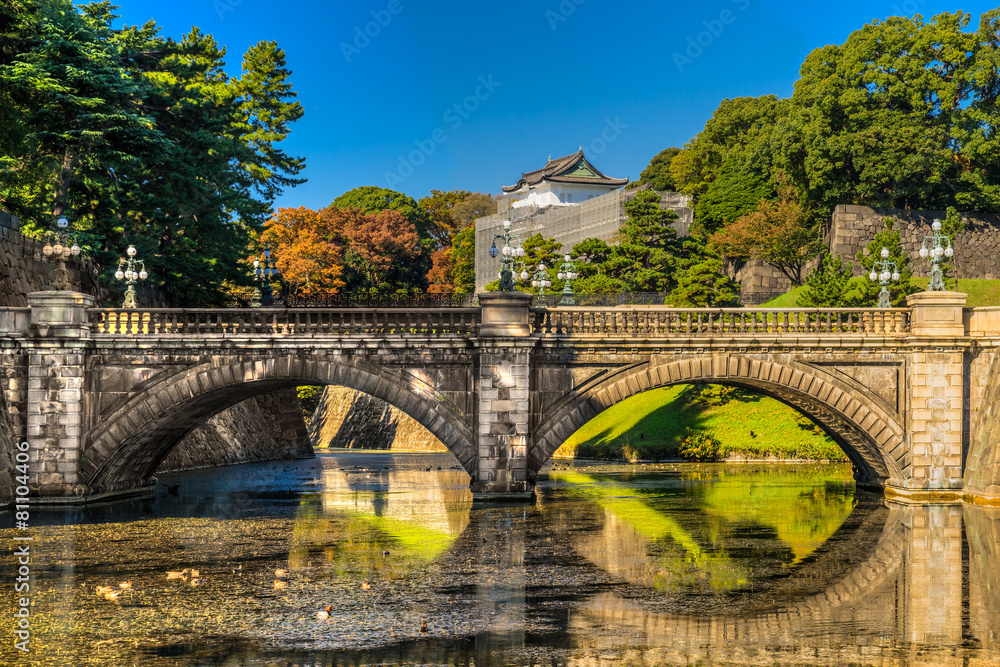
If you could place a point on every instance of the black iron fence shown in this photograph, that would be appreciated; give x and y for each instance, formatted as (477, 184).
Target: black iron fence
(604, 300)
(251, 298)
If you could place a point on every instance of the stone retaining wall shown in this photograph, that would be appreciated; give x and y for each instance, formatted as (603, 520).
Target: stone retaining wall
(977, 249)
(263, 428)
(22, 269)
(351, 419)
(851, 228)
(983, 416)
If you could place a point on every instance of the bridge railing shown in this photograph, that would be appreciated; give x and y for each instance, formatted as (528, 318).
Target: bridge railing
(721, 321)
(15, 320)
(281, 322)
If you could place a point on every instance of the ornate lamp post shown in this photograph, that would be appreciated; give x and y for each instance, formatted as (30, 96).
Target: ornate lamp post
(130, 275)
(60, 251)
(265, 271)
(541, 280)
(509, 258)
(881, 272)
(936, 251)
(567, 272)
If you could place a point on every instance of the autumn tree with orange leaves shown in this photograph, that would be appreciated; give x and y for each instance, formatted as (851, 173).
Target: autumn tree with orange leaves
(308, 246)
(382, 249)
(333, 250)
(782, 233)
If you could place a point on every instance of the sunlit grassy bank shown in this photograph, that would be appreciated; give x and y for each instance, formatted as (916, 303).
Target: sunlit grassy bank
(654, 424)
(981, 293)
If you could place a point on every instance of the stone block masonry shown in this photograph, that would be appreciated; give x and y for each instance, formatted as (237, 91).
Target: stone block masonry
(263, 428)
(503, 416)
(22, 269)
(977, 249)
(351, 419)
(851, 228)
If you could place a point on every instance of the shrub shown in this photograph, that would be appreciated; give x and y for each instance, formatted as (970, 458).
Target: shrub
(630, 453)
(718, 394)
(701, 446)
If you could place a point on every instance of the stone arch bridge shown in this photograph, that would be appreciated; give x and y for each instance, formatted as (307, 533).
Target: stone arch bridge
(102, 395)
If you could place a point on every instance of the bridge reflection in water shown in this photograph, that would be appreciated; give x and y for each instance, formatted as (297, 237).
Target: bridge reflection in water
(677, 564)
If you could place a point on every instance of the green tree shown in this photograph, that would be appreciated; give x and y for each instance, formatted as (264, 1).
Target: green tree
(864, 290)
(267, 108)
(647, 223)
(68, 132)
(142, 139)
(704, 284)
(539, 250)
(829, 285)
(590, 257)
(657, 174)
(736, 191)
(592, 251)
(463, 257)
(597, 283)
(902, 114)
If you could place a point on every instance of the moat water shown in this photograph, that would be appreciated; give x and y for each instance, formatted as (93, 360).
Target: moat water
(614, 565)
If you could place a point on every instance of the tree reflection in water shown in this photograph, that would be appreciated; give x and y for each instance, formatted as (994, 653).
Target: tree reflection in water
(695, 564)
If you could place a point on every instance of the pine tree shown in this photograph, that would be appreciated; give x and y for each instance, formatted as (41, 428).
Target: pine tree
(648, 224)
(141, 139)
(864, 292)
(951, 227)
(829, 285)
(267, 110)
(704, 284)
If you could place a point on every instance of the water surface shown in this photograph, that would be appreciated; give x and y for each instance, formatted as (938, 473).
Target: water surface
(614, 565)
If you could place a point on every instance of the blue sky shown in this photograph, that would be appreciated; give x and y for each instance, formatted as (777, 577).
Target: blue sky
(421, 94)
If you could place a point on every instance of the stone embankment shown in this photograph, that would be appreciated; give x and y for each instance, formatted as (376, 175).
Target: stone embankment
(350, 419)
(264, 428)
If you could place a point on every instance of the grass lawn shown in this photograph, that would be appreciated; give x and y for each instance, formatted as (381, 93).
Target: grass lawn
(981, 293)
(653, 425)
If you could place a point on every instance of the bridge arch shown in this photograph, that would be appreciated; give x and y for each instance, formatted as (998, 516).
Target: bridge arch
(866, 428)
(125, 449)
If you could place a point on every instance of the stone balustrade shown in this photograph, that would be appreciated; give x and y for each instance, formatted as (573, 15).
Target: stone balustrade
(15, 321)
(284, 322)
(721, 321)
